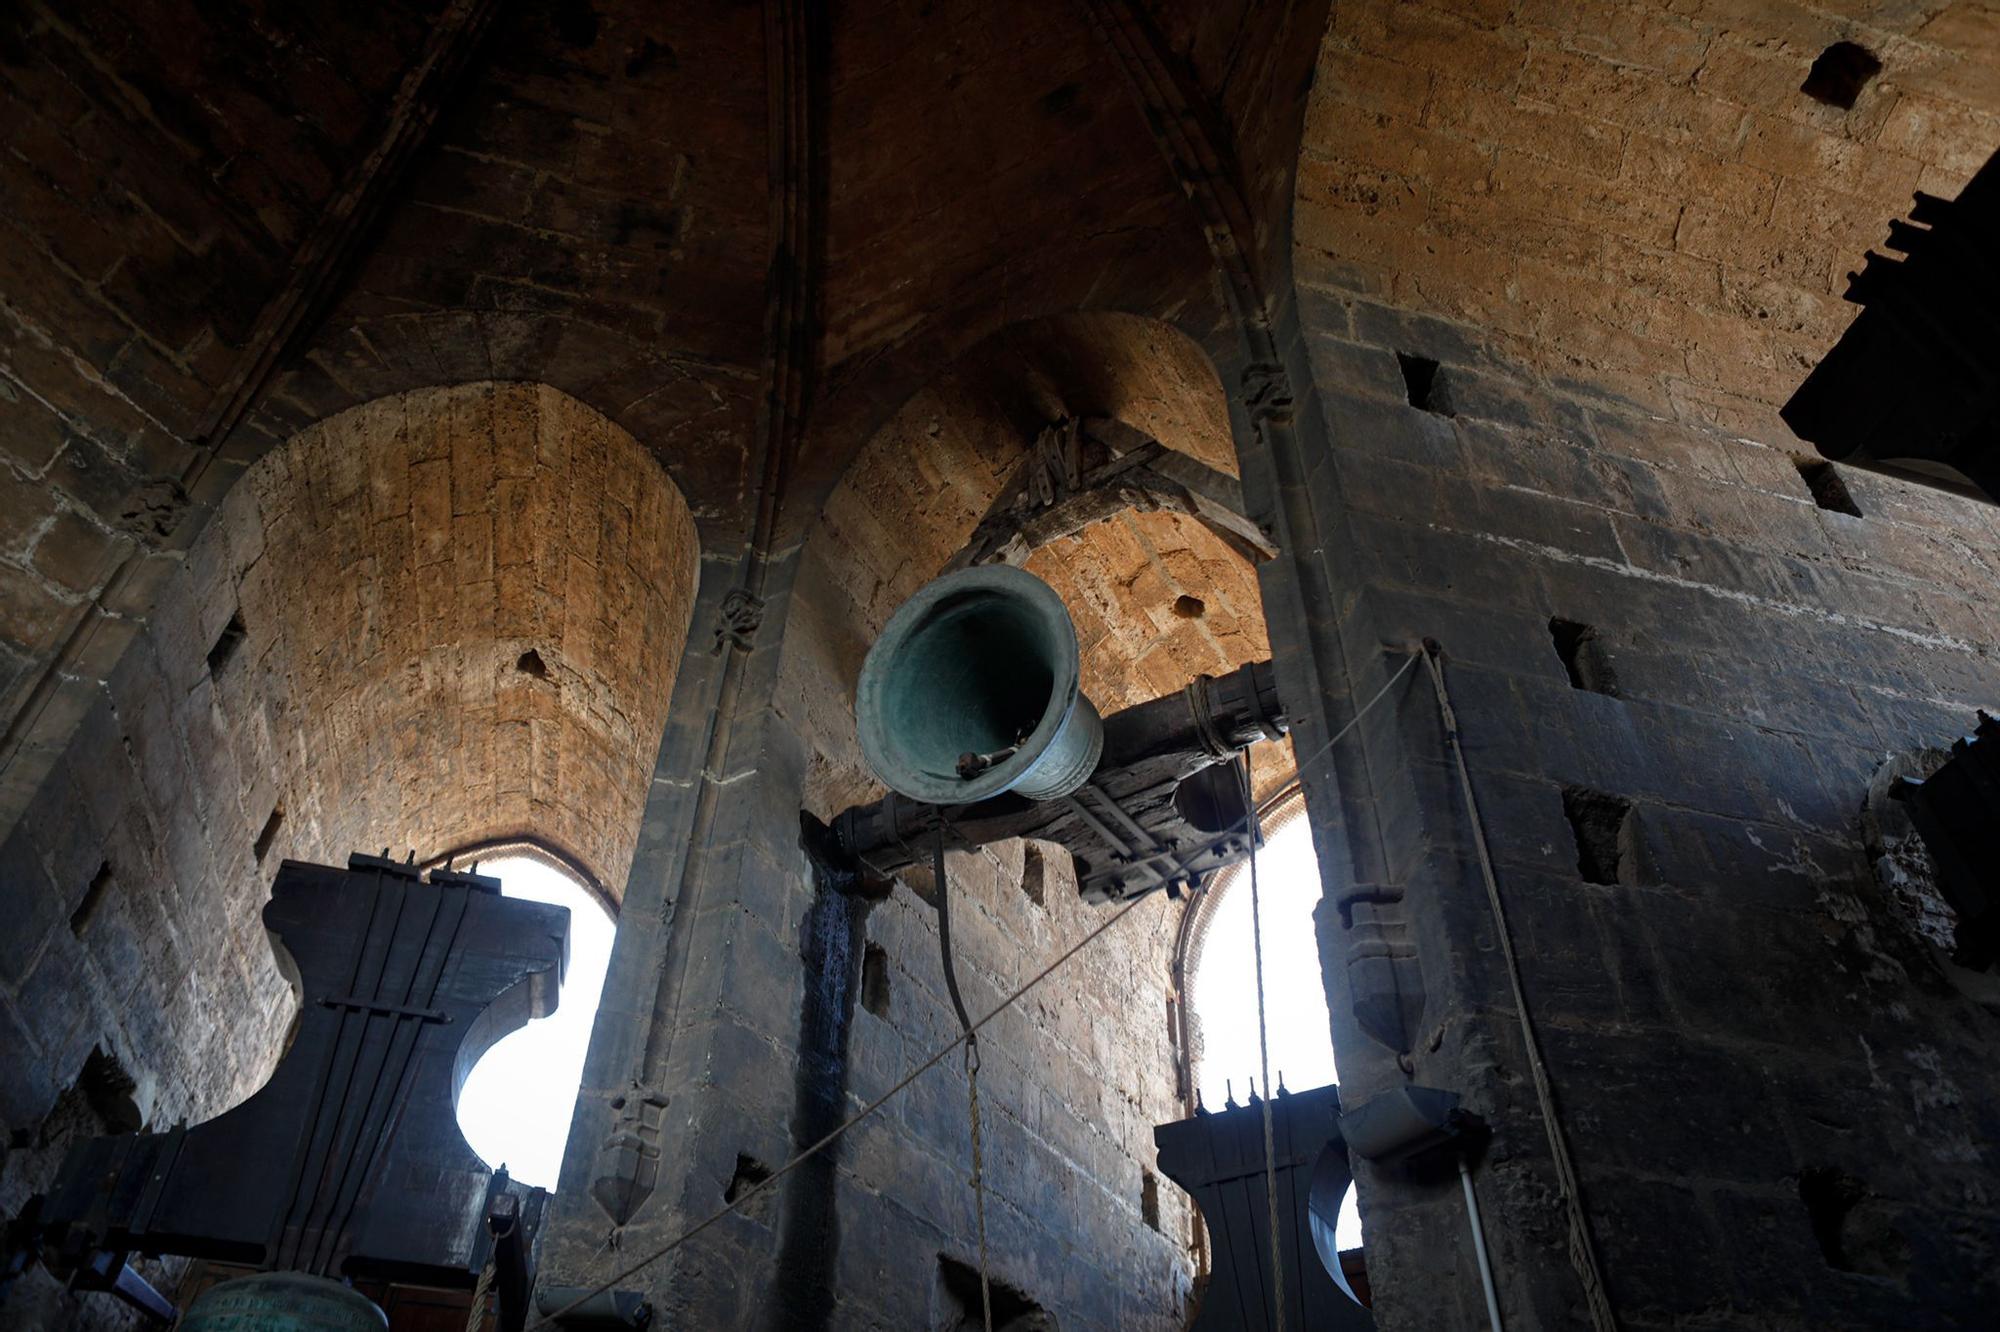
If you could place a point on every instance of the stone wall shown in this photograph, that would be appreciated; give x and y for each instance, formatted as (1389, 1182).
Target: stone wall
(150, 216)
(1557, 267)
(1675, 672)
(462, 611)
(438, 619)
(1675, 675)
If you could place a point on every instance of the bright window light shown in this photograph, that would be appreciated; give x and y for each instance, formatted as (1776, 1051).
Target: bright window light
(1222, 988)
(516, 1104)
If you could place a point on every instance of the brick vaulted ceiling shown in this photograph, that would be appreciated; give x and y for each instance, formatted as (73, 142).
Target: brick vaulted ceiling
(226, 223)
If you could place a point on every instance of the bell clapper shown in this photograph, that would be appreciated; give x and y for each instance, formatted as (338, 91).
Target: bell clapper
(970, 765)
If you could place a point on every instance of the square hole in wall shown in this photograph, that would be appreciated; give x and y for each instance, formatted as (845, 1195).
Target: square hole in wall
(1828, 487)
(226, 644)
(1606, 829)
(108, 1091)
(1584, 658)
(963, 1311)
(1839, 73)
(93, 898)
(875, 980)
(1426, 384)
(1853, 1228)
(1034, 873)
(749, 1173)
(269, 834)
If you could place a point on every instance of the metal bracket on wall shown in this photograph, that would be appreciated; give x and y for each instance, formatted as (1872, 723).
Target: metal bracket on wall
(1156, 813)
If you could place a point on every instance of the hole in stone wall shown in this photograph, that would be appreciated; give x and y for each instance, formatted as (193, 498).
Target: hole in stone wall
(1852, 1227)
(1034, 874)
(530, 663)
(1189, 608)
(1829, 490)
(749, 1173)
(1607, 835)
(107, 1089)
(1426, 384)
(93, 897)
(1584, 659)
(875, 980)
(226, 644)
(963, 1313)
(101, 1100)
(262, 846)
(1839, 74)
(1149, 1199)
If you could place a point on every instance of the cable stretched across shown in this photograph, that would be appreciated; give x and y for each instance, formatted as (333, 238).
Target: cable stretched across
(1264, 1057)
(551, 1318)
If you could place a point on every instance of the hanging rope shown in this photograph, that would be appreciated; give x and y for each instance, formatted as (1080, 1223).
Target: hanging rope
(971, 1063)
(936, 1058)
(475, 1314)
(1582, 1253)
(745, 1196)
(1264, 1054)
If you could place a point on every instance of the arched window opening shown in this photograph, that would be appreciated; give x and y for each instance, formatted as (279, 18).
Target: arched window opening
(1221, 972)
(515, 1106)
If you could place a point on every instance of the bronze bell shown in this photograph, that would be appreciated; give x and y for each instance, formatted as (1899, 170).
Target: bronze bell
(974, 689)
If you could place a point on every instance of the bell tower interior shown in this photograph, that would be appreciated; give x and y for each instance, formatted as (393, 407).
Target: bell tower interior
(1005, 562)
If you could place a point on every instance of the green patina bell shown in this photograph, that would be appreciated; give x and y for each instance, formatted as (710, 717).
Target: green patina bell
(974, 689)
(283, 1302)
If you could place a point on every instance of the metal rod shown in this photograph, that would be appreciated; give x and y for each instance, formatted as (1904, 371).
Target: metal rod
(1479, 1246)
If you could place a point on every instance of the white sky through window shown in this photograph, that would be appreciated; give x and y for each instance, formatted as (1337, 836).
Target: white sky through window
(1225, 981)
(1223, 989)
(516, 1104)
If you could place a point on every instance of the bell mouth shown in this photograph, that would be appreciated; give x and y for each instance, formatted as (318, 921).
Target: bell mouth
(971, 684)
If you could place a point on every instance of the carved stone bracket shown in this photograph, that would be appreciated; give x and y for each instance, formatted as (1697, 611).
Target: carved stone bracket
(628, 1161)
(741, 615)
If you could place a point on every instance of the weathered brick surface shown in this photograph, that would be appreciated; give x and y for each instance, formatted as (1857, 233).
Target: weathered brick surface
(1633, 196)
(470, 528)
(163, 168)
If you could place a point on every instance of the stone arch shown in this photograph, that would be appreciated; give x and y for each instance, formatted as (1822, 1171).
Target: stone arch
(1157, 594)
(693, 418)
(493, 657)
(341, 661)
(905, 508)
